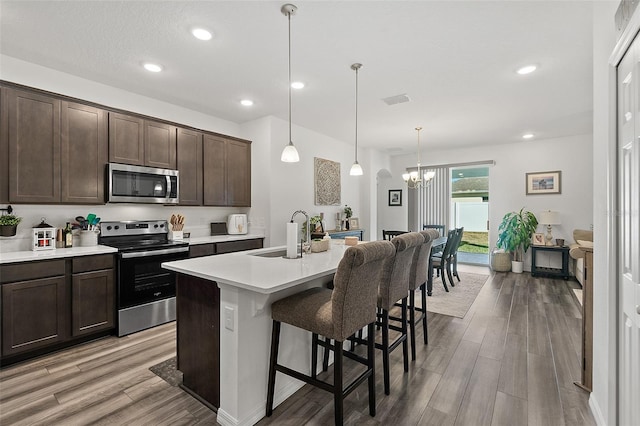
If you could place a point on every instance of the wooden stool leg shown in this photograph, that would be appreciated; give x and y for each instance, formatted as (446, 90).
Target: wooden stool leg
(405, 343)
(314, 354)
(325, 355)
(338, 393)
(412, 322)
(275, 341)
(372, 366)
(424, 313)
(385, 350)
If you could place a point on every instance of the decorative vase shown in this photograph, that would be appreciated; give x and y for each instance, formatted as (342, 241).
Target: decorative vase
(346, 224)
(8, 230)
(517, 267)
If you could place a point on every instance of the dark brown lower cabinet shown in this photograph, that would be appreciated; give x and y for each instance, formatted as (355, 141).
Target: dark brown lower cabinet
(92, 302)
(34, 314)
(198, 328)
(50, 304)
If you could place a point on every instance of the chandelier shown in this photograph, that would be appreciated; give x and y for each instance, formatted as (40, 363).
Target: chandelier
(416, 179)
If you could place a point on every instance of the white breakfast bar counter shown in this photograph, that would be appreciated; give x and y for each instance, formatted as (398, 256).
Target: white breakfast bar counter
(224, 326)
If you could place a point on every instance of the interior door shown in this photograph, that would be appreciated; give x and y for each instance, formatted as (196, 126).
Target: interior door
(629, 235)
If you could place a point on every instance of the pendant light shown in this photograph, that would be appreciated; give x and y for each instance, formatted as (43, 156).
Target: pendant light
(289, 153)
(356, 170)
(414, 180)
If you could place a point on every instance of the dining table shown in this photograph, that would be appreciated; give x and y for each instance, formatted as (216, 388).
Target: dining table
(436, 247)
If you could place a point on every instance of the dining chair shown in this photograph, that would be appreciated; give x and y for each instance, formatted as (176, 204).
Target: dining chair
(335, 314)
(389, 235)
(442, 261)
(439, 228)
(460, 232)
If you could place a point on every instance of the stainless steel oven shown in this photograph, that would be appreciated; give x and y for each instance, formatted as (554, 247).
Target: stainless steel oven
(145, 291)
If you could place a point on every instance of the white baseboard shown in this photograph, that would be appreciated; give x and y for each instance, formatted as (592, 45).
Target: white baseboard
(595, 410)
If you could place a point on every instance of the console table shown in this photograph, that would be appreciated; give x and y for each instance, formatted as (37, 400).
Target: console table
(551, 272)
(341, 234)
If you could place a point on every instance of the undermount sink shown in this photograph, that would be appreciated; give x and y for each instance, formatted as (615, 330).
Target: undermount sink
(277, 253)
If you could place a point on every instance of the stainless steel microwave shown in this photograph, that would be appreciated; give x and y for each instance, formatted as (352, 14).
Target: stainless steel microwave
(138, 184)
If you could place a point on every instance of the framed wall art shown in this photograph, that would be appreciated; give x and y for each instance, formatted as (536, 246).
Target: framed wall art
(354, 223)
(395, 197)
(538, 239)
(326, 174)
(543, 182)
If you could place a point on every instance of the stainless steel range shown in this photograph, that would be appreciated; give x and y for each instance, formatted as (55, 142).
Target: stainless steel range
(146, 292)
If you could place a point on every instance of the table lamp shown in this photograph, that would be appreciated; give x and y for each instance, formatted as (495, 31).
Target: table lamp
(549, 218)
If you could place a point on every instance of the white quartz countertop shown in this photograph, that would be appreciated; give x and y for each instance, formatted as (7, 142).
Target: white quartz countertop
(27, 256)
(222, 238)
(264, 275)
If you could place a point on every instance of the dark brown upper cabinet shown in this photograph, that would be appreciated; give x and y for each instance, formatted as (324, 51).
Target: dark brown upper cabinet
(133, 140)
(189, 162)
(227, 172)
(84, 153)
(4, 147)
(126, 139)
(34, 147)
(159, 145)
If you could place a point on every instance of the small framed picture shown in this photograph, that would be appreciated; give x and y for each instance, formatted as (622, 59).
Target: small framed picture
(354, 223)
(395, 197)
(543, 182)
(538, 239)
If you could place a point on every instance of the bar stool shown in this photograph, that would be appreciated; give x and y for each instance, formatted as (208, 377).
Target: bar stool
(335, 314)
(418, 280)
(393, 287)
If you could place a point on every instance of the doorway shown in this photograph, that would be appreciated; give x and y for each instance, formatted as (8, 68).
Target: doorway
(470, 209)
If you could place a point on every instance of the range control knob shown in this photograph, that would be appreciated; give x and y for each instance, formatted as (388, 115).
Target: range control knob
(162, 225)
(116, 227)
(109, 228)
(155, 226)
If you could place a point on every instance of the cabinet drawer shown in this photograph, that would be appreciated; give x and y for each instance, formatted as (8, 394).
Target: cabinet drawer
(202, 250)
(231, 246)
(92, 263)
(31, 270)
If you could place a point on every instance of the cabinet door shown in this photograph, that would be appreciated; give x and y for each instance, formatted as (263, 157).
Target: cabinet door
(84, 153)
(126, 143)
(238, 173)
(34, 147)
(92, 302)
(159, 145)
(4, 147)
(34, 314)
(189, 162)
(214, 170)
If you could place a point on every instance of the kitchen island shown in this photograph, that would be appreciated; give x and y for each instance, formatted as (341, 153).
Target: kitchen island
(224, 325)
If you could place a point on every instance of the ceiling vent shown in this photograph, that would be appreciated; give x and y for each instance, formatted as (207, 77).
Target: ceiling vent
(397, 99)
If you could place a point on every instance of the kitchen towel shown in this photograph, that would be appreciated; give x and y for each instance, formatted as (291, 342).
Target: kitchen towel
(292, 240)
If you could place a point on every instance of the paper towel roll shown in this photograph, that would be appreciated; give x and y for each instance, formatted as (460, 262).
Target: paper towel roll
(292, 240)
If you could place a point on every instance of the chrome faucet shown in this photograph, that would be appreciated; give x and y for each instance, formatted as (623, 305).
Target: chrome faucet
(308, 226)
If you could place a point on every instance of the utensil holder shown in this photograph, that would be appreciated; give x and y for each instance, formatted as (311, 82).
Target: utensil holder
(176, 235)
(89, 238)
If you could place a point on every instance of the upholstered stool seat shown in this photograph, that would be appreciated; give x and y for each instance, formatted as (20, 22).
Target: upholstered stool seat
(335, 314)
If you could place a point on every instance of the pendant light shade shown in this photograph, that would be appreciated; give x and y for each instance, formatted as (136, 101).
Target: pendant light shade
(356, 169)
(289, 153)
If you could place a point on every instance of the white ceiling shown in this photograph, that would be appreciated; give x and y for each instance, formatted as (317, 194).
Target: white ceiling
(455, 60)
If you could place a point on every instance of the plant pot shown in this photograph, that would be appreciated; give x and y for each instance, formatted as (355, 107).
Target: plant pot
(517, 267)
(8, 230)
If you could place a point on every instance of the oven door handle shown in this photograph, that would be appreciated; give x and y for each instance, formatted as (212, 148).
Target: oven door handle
(130, 255)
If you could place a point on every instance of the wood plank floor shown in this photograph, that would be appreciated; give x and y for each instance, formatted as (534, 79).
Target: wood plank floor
(511, 361)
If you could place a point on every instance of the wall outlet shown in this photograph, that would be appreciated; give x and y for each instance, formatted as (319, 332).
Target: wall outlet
(228, 318)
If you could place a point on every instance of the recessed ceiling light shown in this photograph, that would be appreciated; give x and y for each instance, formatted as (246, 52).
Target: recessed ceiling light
(246, 102)
(528, 69)
(152, 67)
(297, 85)
(527, 136)
(201, 34)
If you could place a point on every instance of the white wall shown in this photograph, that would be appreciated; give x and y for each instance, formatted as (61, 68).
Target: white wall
(603, 398)
(571, 155)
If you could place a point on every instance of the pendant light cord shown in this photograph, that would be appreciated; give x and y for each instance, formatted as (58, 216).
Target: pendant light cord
(356, 114)
(289, 16)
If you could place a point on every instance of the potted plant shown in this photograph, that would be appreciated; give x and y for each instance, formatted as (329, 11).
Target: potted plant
(347, 213)
(514, 235)
(9, 225)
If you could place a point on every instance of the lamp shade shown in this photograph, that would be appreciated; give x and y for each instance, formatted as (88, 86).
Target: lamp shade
(549, 217)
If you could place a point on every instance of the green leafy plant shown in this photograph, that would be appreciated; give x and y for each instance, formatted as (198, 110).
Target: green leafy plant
(347, 211)
(9, 220)
(515, 231)
(314, 221)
